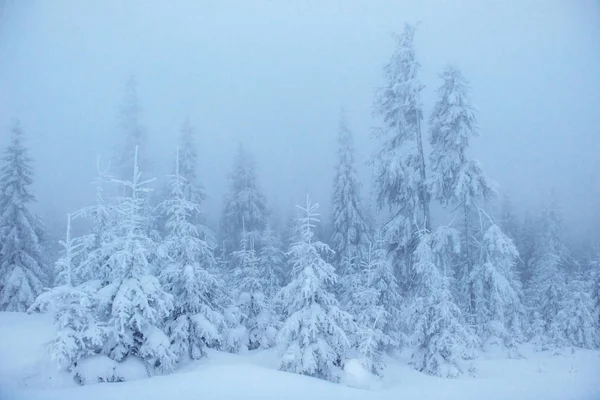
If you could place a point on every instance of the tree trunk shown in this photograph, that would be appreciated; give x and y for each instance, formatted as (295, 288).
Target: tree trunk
(423, 193)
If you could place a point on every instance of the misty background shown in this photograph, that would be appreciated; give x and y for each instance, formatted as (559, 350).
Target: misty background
(274, 76)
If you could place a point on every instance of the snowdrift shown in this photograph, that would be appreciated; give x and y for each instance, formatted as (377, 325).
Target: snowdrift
(27, 372)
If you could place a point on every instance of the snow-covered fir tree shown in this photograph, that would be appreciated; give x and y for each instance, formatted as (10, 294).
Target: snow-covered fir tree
(272, 260)
(547, 289)
(134, 302)
(351, 232)
(581, 325)
(251, 282)
(245, 204)
(442, 341)
(400, 175)
(313, 336)
(22, 270)
(197, 320)
(455, 179)
(498, 312)
(188, 165)
(376, 305)
(104, 219)
(78, 331)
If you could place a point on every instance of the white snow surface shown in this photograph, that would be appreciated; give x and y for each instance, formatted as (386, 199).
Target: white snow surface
(27, 372)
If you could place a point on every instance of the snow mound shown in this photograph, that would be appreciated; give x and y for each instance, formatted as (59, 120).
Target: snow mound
(101, 369)
(357, 376)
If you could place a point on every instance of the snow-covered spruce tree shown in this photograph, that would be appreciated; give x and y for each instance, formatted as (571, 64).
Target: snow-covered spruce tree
(400, 174)
(131, 133)
(376, 309)
(104, 219)
(273, 261)
(78, 331)
(581, 329)
(455, 180)
(245, 204)
(197, 320)
(22, 270)
(188, 166)
(498, 312)
(519, 234)
(526, 247)
(351, 234)
(313, 336)
(546, 293)
(251, 281)
(134, 302)
(442, 340)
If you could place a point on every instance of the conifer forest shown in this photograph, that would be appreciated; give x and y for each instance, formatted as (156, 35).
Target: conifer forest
(377, 249)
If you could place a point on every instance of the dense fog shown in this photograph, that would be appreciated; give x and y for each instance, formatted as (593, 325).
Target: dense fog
(275, 75)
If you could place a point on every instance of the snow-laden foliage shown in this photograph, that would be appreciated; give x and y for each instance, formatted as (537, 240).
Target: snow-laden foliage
(400, 163)
(454, 178)
(273, 262)
(188, 261)
(313, 336)
(188, 166)
(547, 289)
(245, 204)
(498, 311)
(73, 249)
(350, 229)
(375, 305)
(22, 270)
(520, 233)
(104, 219)
(79, 330)
(440, 338)
(255, 308)
(581, 326)
(134, 303)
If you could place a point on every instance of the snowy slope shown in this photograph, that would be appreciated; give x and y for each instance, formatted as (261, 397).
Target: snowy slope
(27, 373)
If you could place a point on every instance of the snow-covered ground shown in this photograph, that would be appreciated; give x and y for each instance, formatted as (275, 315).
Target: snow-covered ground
(26, 372)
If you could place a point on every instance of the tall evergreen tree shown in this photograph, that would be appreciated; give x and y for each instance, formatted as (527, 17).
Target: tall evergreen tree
(376, 309)
(350, 229)
(134, 300)
(546, 294)
(441, 339)
(251, 281)
(197, 321)
(455, 179)
(400, 163)
(581, 325)
(313, 335)
(272, 260)
(22, 270)
(245, 204)
(188, 165)
(104, 219)
(498, 311)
